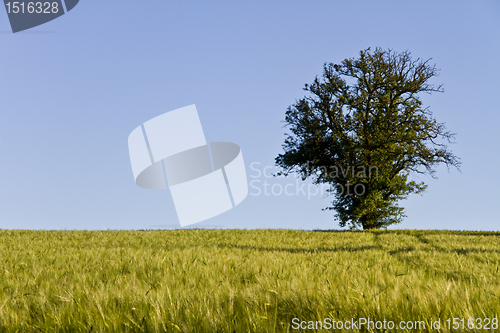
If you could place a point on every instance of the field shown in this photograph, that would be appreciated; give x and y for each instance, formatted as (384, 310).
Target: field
(198, 280)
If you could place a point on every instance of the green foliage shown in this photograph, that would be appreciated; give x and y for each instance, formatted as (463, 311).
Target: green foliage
(363, 130)
(242, 280)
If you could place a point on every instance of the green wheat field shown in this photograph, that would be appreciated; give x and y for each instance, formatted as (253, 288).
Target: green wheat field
(198, 280)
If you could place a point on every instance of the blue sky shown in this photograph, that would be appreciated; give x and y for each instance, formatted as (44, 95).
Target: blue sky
(73, 89)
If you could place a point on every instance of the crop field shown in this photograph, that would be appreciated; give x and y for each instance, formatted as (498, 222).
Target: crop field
(197, 280)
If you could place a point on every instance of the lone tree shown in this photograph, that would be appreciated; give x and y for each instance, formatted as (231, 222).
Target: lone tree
(363, 130)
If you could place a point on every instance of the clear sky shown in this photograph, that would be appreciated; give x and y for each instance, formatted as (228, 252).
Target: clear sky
(73, 89)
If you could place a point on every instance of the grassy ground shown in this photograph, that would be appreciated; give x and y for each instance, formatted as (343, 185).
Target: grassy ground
(245, 280)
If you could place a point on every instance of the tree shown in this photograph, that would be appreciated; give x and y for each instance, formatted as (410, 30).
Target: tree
(363, 130)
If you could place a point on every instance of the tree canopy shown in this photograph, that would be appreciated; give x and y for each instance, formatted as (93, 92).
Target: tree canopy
(364, 130)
